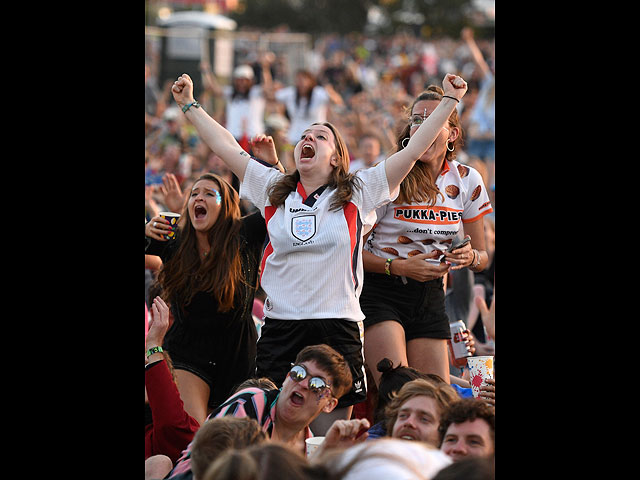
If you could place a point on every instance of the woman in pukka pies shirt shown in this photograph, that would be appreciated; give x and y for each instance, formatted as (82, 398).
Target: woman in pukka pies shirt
(312, 265)
(403, 296)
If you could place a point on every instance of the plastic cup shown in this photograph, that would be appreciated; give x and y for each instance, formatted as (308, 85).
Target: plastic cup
(480, 369)
(312, 444)
(173, 220)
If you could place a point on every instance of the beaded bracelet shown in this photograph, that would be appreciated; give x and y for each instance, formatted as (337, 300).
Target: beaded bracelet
(387, 266)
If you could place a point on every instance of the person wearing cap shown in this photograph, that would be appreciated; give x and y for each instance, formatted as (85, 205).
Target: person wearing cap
(245, 102)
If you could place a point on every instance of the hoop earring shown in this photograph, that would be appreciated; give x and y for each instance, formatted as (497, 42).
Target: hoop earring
(450, 149)
(404, 145)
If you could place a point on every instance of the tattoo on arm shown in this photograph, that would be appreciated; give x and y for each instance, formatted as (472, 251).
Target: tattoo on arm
(244, 154)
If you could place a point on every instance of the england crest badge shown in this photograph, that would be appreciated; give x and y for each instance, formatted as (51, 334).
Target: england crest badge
(303, 227)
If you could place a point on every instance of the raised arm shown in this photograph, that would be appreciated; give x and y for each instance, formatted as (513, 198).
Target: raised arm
(476, 53)
(400, 163)
(209, 79)
(217, 138)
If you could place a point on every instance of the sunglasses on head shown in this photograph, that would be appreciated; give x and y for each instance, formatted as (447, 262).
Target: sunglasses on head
(316, 384)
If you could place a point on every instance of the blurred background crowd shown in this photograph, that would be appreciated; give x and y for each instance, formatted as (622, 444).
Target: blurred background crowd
(364, 65)
(266, 67)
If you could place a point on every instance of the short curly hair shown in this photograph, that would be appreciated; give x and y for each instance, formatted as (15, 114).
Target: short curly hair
(468, 410)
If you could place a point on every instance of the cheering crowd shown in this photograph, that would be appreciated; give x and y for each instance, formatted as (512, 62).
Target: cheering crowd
(307, 286)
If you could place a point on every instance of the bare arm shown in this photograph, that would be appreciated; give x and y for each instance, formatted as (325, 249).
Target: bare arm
(464, 256)
(209, 79)
(476, 53)
(217, 138)
(413, 267)
(266, 59)
(400, 163)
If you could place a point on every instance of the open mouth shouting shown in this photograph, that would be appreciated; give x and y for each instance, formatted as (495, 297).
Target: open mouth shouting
(199, 212)
(297, 399)
(307, 151)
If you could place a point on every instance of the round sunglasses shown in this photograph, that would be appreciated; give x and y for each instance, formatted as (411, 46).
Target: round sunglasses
(316, 384)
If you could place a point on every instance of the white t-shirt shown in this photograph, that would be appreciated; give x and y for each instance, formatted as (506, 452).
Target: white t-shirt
(249, 110)
(404, 230)
(312, 264)
(299, 115)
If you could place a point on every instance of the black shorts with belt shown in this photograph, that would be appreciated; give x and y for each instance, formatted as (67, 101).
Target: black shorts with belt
(417, 306)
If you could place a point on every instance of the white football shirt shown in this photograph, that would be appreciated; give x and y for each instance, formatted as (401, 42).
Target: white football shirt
(312, 264)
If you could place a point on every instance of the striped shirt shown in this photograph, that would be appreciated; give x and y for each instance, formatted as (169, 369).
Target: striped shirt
(312, 264)
(250, 402)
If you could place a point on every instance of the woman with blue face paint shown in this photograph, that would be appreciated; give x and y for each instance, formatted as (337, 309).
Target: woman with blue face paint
(209, 274)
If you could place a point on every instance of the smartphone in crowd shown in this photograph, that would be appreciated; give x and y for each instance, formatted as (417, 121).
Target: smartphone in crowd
(455, 245)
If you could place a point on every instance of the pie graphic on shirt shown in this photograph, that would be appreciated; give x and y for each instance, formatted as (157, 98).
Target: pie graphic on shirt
(476, 193)
(452, 191)
(390, 250)
(463, 171)
(405, 240)
(413, 253)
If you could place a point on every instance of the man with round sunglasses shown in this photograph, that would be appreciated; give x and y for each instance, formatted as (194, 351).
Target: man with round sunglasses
(315, 383)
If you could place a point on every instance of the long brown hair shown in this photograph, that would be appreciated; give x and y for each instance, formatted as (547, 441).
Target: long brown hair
(343, 181)
(220, 272)
(419, 185)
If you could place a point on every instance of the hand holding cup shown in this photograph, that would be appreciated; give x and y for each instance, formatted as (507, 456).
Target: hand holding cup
(162, 227)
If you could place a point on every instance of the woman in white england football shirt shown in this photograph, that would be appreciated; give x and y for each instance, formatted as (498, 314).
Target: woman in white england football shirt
(312, 265)
(403, 295)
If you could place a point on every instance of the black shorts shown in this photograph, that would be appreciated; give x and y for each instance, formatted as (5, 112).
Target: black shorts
(222, 358)
(281, 341)
(417, 306)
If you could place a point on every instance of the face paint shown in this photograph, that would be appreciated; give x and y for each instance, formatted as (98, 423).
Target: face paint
(218, 197)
